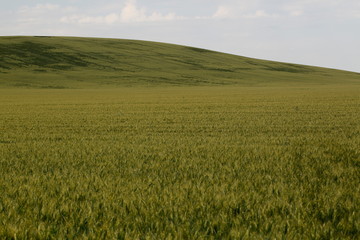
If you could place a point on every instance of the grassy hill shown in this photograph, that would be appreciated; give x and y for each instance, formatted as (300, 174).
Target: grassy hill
(67, 62)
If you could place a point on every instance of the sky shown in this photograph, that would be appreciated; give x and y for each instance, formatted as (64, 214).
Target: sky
(313, 32)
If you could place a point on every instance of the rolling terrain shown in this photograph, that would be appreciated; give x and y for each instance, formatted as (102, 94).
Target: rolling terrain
(121, 139)
(67, 62)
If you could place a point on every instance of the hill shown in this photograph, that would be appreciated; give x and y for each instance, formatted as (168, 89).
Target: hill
(68, 62)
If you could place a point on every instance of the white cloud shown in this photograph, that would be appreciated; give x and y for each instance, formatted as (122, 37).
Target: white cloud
(131, 12)
(238, 12)
(296, 13)
(35, 14)
(259, 14)
(223, 12)
(321, 8)
(83, 19)
(38, 9)
(294, 9)
(46, 7)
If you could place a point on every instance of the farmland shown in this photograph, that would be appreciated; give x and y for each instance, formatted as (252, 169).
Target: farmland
(275, 162)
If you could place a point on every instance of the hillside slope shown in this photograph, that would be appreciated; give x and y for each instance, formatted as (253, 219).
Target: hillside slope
(65, 62)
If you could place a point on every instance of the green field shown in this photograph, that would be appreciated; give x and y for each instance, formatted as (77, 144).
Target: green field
(183, 163)
(120, 139)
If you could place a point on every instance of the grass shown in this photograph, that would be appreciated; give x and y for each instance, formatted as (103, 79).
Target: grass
(180, 163)
(64, 62)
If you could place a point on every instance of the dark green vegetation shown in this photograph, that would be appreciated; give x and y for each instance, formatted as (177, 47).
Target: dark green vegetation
(180, 163)
(63, 62)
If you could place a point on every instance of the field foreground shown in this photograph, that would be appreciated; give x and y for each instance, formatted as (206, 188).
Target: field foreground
(180, 163)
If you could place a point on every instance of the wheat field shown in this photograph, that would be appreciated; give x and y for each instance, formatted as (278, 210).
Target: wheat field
(180, 163)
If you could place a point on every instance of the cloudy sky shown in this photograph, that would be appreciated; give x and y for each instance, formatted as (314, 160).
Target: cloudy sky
(314, 32)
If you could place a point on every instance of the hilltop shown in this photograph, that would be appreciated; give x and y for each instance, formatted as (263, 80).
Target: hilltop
(69, 62)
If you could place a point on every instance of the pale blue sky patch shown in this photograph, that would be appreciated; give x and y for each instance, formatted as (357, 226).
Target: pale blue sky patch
(314, 32)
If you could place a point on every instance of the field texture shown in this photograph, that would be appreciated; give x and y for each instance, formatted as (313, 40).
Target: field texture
(180, 163)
